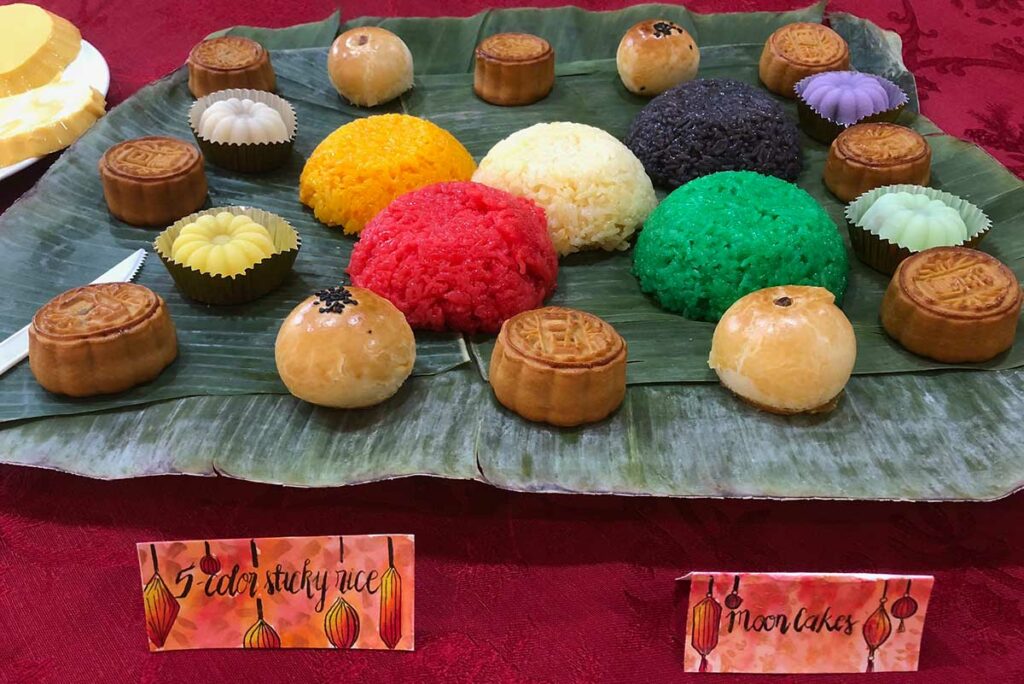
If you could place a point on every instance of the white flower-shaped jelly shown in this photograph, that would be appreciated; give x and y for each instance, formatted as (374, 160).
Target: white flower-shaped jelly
(242, 121)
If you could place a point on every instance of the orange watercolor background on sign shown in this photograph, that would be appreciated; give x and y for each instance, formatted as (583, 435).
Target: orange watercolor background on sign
(221, 621)
(806, 652)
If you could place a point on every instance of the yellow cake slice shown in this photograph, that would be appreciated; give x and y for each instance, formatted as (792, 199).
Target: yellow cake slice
(46, 119)
(35, 47)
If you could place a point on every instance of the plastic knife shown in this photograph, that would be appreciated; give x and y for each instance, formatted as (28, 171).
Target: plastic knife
(14, 349)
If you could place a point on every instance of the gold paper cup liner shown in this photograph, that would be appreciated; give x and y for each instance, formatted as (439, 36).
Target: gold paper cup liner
(825, 130)
(254, 282)
(885, 256)
(245, 157)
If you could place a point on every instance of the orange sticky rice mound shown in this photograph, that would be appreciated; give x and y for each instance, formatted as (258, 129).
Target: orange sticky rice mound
(358, 169)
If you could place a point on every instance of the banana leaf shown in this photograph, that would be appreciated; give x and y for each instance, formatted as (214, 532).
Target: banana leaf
(924, 435)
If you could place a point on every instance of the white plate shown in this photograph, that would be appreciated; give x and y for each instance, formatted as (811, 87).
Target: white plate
(88, 67)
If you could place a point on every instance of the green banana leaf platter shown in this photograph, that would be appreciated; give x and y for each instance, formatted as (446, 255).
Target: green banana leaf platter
(906, 429)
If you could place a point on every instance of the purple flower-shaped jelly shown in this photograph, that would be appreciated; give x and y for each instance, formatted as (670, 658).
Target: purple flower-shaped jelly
(846, 97)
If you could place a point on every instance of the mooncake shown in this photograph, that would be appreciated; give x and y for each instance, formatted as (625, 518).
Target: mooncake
(559, 366)
(229, 62)
(152, 181)
(952, 304)
(870, 155)
(796, 51)
(513, 69)
(101, 339)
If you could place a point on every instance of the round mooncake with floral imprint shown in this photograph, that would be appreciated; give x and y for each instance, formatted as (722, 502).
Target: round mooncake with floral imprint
(360, 168)
(244, 130)
(457, 256)
(869, 155)
(229, 62)
(798, 50)
(953, 304)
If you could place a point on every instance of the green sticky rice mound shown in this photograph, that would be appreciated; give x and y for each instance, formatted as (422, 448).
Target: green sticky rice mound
(727, 234)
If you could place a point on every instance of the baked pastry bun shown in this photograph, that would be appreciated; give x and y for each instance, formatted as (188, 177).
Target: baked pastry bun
(101, 339)
(656, 55)
(369, 66)
(785, 349)
(345, 347)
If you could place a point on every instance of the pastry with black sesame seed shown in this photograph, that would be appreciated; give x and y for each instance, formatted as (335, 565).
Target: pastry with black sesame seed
(656, 55)
(344, 347)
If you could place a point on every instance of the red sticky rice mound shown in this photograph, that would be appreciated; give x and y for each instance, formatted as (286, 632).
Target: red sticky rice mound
(457, 256)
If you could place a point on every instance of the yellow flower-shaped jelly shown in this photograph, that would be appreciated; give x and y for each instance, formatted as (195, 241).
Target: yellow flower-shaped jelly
(222, 244)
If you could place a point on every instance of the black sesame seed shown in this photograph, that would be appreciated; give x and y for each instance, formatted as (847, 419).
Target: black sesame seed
(334, 299)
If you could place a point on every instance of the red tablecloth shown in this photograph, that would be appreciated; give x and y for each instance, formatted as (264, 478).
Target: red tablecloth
(511, 587)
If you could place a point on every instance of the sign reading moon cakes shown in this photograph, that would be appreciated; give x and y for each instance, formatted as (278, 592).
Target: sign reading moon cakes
(774, 623)
(354, 592)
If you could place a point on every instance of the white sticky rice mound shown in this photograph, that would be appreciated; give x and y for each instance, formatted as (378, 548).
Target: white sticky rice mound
(594, 190)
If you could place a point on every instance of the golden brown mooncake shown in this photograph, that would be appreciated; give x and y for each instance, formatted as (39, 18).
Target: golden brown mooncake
(229, 62)
(952, 304)
(101, 339)
(869, 155)
(514, 69)
(798, 50)
(559, 366)
(153, 181)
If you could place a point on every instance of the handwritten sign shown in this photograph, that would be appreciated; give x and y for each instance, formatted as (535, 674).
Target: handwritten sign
(804, 623)
(279, 592)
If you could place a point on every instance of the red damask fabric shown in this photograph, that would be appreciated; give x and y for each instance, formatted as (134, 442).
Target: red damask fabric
(512, 587)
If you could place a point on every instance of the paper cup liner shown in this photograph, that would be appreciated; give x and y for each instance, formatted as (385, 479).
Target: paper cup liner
(825, 130)
(245, 157)
(883, 255)
(254, 282)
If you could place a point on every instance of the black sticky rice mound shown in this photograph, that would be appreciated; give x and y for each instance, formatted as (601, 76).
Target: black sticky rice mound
(711, 125)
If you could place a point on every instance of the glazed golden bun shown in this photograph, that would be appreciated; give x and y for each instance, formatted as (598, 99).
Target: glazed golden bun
(785, 349)
(370, 66)
(344, 348)
(656, 55)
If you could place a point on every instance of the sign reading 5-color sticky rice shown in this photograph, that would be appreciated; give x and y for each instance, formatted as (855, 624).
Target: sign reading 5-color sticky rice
(354, 592)
(803, 623)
